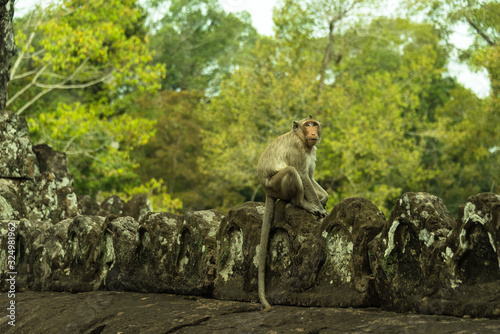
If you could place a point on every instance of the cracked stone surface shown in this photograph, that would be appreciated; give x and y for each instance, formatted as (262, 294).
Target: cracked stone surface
(128, 312)
(17, 160)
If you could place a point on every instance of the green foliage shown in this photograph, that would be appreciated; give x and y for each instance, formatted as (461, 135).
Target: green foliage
(367, 141)
(98, 147)
(200, 43)
(369, 113)
(258, 103)
(457, 156)
(172, 154)
(73, 45)
(90, 56)
(465, 151)
(390, 114)
(393, 119)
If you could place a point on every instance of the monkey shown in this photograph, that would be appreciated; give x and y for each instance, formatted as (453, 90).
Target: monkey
(286, 172)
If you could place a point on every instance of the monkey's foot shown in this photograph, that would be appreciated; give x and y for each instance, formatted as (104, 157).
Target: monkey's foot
(267, 308)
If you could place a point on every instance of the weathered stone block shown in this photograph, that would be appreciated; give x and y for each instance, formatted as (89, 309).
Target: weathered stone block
(471, 281)
(46, 254)
(310, 263)
(156, 251)
(138, 207)
(346, 279)
(68, 202)
(81, 270)
(40, 197)
(24, 192)
(16, 239)
(407, 257)
(45, 202)
(296, 254)
(88, 206)
(118, 253)
(54, 162)
(238, 241)
(196, 253)
(17, 160)
(420, 260)
(112, 205)
(11, 205)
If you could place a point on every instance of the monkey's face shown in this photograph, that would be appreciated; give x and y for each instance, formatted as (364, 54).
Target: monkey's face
(312, 132)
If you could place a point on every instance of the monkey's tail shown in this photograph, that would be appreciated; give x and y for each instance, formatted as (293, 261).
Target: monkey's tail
(264, 239)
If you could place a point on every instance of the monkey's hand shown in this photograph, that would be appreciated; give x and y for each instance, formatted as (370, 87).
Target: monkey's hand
(316, 210)
(322, 213)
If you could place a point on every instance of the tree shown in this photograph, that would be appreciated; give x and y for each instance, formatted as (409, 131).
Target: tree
(464, 166)
(468, 131)
(99, 148)
(374, 106)
(91, 56)
(483, 20)
(200, 43)
(80, 44)
(257, 103)
(297, 20)
(172, 154)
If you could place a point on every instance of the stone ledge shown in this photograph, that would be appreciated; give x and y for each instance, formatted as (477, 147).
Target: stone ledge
(420, 260)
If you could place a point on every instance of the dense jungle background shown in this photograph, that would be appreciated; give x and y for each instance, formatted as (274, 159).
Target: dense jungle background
(179, 98)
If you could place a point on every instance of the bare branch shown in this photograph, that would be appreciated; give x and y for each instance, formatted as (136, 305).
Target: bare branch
(33, 100)
(53, 75)
(35, 53)
(480, 32)
(70, 141)
(326, 57)
(47, 89)
(26, 46)
(87, 152)
(28, 86)
(76, 86)
(24, 75)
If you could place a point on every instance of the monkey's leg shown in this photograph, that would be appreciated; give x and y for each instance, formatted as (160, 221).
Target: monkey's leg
(287, 185)
(264, 239)
(322, 194)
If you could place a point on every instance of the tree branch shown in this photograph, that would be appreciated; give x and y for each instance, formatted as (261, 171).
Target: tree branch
(47, 89)
(33, 100)
(480, 32)
(28, 86)
(75, 86)
(26, 46)
(26, 74)
(326, 57)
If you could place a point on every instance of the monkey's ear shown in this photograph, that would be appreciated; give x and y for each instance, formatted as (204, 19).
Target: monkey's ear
(295, 125)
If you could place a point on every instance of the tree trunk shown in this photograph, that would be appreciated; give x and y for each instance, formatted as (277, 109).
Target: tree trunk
(7, 46)
(326, 58)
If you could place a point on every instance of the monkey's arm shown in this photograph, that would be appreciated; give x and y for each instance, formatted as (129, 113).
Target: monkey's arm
(322, 194)
(312, 195)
